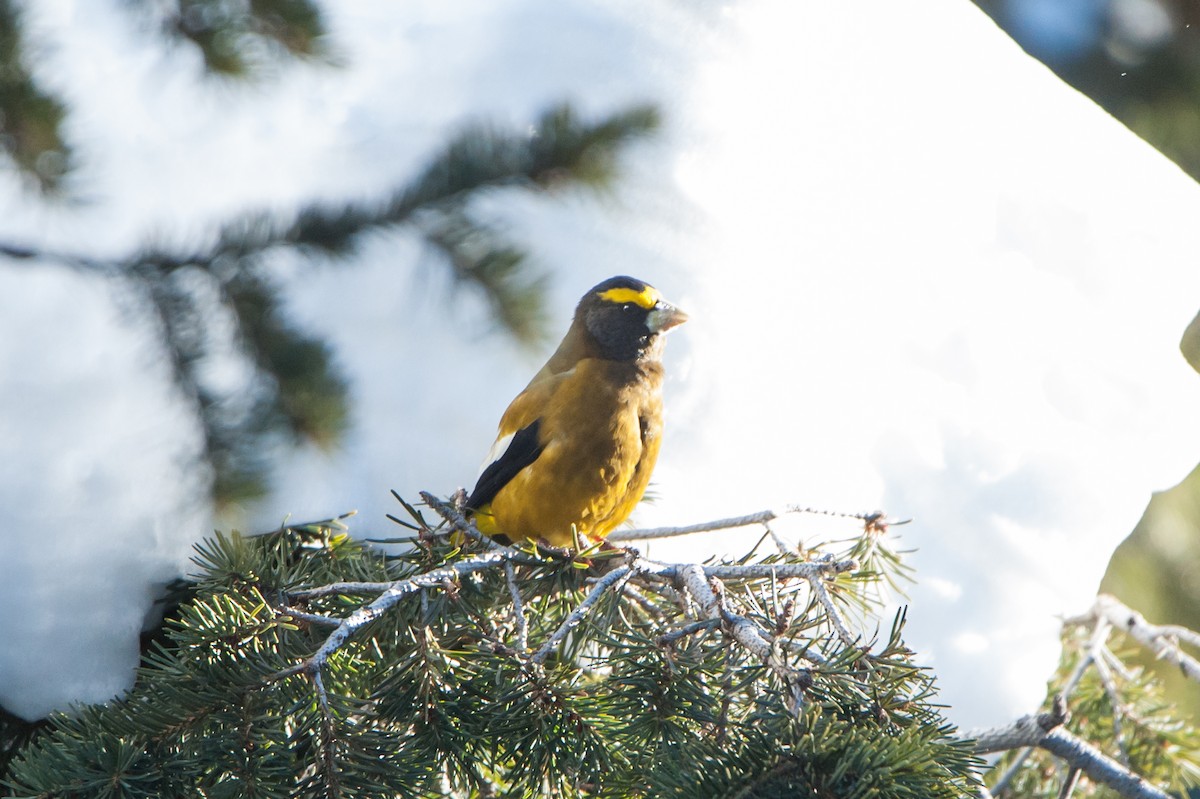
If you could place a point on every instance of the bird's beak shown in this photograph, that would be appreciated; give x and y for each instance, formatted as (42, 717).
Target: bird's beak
(664, 317)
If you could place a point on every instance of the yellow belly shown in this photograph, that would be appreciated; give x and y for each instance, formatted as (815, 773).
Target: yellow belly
(590, 476)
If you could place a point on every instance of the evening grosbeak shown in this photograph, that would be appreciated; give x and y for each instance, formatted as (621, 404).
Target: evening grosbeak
(575, 449)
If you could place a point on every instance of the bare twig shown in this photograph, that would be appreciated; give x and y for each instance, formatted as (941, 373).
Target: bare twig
(461, 523)
(328, 752)
(667, 639)
(784, 546)
(1069, 784)
(1114, 699)
(341, 589)
(518, 607)
(817, 582)
(1013, 769)
(762, 517)
(644, 602)
(1179, 633)
(784, 571)
(311, 618)
(1115, 665)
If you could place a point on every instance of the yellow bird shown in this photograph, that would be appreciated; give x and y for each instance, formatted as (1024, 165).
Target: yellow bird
(575, 449)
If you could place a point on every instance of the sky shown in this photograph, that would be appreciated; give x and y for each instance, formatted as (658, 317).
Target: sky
(923, 275)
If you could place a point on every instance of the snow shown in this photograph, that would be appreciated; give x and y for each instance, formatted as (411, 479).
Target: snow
(922, 273)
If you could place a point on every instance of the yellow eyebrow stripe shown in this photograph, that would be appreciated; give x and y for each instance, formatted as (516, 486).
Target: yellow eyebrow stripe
(646, 298)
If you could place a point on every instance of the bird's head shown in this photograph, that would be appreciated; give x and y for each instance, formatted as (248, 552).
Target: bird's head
(625, 318)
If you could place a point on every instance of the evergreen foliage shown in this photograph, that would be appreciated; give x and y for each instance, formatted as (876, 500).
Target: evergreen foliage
(1121, 708)
(239, 39)
(222, 299)
(30, 116)
(453, 691)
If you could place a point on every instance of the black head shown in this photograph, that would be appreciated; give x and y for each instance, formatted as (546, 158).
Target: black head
(624, 317)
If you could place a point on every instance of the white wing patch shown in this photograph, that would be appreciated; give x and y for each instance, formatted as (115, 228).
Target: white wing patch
(495, 453)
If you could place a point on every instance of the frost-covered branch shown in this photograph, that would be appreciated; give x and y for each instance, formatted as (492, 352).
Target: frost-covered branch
(510, 577)
(745, 632)
(1162, 640)
(1101, 768)
(1026, 731)
(1046, 731)
(698, 580)
(390, 594)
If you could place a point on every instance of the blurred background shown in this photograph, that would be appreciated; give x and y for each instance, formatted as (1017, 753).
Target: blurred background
(1136, 58)
(270, 258)
(1140, 61)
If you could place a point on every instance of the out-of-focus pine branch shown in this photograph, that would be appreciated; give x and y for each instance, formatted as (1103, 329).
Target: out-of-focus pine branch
(30, 117)
(220, 302)
(238, 39)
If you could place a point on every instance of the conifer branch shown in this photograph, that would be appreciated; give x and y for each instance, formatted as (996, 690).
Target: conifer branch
(434, 698)
(614, 579)
(1046, 731)
(391, 594)
(744, 632)
(1095, 645)
(693, 576)
(218, 298)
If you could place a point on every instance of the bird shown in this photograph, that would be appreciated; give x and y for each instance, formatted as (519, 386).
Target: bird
(575, 449)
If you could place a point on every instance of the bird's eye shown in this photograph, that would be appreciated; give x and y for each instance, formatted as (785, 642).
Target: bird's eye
(627, 307)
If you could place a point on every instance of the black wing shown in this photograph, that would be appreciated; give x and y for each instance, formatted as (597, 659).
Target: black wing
(523, 450)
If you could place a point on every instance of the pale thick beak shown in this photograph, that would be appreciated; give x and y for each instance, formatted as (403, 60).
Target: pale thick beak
(664, 317)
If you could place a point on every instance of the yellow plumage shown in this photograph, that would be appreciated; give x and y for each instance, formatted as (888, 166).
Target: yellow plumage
(575, 449)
